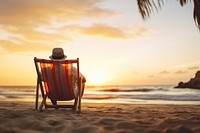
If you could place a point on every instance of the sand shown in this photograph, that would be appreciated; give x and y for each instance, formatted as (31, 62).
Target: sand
(100, 118)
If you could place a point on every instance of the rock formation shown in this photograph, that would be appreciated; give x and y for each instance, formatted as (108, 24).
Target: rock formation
(192, 83)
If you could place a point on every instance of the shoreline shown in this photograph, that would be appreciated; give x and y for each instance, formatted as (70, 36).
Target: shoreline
(124, 95)
(100, 117)
(103, 101)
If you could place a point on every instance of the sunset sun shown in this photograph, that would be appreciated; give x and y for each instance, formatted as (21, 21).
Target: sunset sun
(97, 78)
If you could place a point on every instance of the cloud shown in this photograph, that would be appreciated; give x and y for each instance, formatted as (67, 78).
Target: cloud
(31, 41)
(103, 30)
(30, 11)
(180, 72)
(108, 31)
(151, 76)
(29, 25)
(138, 31)
(21, 21)
(23, 47)
(193, 68)
(164, 72)
(160, 73)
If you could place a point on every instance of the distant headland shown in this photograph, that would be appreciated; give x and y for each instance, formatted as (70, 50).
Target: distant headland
(193, 83)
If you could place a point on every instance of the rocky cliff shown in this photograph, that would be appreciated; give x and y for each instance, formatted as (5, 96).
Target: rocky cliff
(192, 83)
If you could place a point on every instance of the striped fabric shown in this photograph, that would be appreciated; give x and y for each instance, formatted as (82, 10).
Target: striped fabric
(57, 79)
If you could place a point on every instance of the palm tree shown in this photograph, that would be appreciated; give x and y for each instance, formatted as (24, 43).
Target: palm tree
(146, 7)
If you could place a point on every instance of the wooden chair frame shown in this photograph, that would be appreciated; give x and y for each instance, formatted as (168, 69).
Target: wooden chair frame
(40, 86)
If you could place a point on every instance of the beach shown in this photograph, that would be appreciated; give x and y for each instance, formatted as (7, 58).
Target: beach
(135, 63)
(20, 117)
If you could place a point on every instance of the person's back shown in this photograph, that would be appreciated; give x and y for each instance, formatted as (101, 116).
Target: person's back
(58, 54)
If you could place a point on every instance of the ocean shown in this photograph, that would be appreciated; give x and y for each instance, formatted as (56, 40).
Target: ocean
(114, 94)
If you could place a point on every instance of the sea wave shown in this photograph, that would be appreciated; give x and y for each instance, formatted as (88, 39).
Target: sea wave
(133, 90)
(122, 94)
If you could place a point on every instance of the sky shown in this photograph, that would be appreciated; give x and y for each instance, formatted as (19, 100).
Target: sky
(114, 44)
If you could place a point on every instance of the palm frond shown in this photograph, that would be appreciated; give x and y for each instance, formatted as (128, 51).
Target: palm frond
(146, 7)
(196, 13)
(183, 2)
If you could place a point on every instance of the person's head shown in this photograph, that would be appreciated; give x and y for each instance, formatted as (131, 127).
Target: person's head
(58, 54)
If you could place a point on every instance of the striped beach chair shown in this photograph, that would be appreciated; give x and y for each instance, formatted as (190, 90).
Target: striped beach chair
(55, 80)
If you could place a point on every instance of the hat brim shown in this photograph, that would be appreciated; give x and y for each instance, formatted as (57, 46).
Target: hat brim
(51, 57)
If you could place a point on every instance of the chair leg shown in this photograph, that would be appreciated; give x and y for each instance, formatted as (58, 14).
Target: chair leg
(42, 103)
(80, 95)
(37, 94)
(36, 97)
(79, 106)
(75, 104)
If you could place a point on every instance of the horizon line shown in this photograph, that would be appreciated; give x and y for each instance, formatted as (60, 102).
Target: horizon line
(95, 85)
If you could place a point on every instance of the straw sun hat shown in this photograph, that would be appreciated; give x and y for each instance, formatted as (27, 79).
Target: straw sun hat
(58, 53)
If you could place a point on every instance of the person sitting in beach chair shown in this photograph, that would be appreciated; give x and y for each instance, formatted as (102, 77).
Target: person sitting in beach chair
(61, 80)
